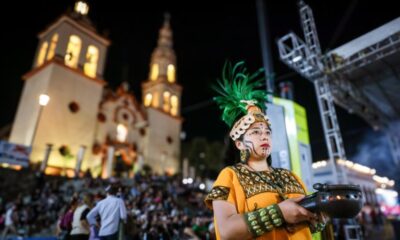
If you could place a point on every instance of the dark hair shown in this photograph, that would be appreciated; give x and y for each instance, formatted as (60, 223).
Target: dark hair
(112, 189)
(269, 160)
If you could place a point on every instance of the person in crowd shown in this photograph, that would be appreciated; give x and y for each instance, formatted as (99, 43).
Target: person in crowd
(112, 211)
(80, 226)
(65, 222)
(9, 223)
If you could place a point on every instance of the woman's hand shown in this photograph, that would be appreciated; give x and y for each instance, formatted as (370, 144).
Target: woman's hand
(294, 213)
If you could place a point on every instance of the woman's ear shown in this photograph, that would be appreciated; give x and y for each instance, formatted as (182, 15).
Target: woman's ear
(239, 145)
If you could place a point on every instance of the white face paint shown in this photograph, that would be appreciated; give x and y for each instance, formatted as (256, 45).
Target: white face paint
(258, 140)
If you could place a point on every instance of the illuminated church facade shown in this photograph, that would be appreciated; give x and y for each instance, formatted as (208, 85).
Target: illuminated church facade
(79, 116)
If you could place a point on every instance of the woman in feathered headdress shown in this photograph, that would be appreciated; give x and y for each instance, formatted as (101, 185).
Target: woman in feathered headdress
(251, 199)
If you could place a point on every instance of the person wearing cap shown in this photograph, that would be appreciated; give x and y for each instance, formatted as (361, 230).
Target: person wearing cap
(252, 199)
(111, 210)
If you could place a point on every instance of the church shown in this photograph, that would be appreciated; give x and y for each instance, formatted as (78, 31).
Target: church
(73, 123)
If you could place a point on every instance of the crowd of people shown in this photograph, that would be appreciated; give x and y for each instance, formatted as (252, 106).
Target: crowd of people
(156, 207)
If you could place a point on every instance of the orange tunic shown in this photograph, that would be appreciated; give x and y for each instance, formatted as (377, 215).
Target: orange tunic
(247, 191)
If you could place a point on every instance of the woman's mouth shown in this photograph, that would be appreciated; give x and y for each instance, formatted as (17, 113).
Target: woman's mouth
(265, 145)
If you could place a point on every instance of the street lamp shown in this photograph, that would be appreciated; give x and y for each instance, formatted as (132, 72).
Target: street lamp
(43, 101)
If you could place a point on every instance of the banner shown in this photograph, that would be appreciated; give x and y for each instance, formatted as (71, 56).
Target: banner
(15, 154)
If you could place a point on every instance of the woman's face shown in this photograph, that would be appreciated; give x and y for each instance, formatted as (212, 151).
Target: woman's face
(257, 139)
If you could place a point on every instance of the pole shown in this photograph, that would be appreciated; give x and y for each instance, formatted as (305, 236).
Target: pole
(36, 125)
(109, 163)
(265, 48)
(45, 160)
(81, 153)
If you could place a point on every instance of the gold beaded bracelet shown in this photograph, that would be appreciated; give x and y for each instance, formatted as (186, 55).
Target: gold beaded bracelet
(264, 220)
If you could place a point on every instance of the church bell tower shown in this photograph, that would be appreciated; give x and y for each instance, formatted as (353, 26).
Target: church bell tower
(68, 71)
(162, 99)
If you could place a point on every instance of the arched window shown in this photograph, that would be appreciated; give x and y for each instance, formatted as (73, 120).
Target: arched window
(122, 132)
(166, 104)
(174, 105)
(156, 100)
(154, 72)
(171, 73)
(73, 49)
(147, 99)
(92, 56)
(42, 53)
(53, 46)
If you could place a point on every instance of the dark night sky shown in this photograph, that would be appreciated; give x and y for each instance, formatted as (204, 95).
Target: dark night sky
(205, 34)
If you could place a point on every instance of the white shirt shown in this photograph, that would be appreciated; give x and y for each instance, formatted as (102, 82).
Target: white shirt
(111, 210)
(77, 227)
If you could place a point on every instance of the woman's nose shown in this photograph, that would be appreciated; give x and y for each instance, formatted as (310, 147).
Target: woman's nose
(264, 137)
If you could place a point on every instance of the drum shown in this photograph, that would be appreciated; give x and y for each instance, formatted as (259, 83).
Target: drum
(337, 201)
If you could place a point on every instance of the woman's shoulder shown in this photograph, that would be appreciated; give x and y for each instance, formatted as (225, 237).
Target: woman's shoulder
(222, 186)
(227, 171)
(231, 170)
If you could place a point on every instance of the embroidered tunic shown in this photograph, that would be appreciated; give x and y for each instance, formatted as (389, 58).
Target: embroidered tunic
(249, 191)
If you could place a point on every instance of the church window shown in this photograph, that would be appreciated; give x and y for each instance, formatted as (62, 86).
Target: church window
(42, 53)
(156, 100)
(73, 107)
(142, 132)
(73, 50)
(147, 99)
(169, 140)
(101, 117)
(154, 72)
(166, 104)
(122, 132)
(53, 45)
(174, 105)
(92, 56)
(171, 73)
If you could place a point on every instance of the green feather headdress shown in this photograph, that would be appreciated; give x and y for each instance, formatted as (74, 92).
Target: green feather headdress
(237, 86)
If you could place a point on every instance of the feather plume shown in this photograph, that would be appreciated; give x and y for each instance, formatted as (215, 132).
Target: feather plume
(237, 85)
